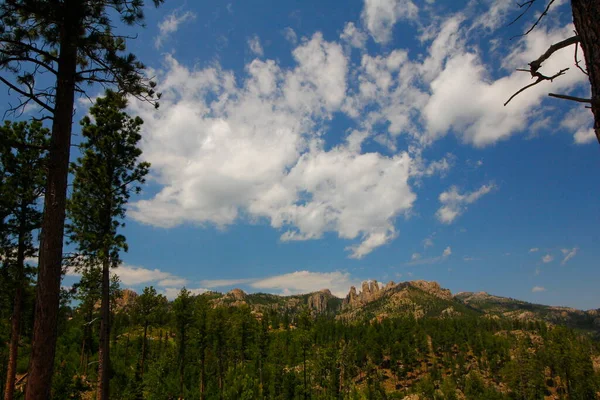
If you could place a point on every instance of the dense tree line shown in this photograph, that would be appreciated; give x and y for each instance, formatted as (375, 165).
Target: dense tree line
(188, 348)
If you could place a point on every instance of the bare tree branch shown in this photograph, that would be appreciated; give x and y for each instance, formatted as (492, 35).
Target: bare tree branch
(542, 15)
(572, 98)
(30, 95)
(537, 64)
(540, 78)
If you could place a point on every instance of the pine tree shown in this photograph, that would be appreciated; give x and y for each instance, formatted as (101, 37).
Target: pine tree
(105, 176)
(146, 307)
(49, 51)
(183, 313)
(22, 158)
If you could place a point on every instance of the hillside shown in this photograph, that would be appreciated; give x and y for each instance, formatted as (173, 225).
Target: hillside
(418, 299)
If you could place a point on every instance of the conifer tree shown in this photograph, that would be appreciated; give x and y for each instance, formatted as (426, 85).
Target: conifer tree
(146, 306)
(105, 176)
(51, 50)
(22, 158)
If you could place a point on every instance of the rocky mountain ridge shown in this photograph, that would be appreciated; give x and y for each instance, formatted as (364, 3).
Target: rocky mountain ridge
(416, 298)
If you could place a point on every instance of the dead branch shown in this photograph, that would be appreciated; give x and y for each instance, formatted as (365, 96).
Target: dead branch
(527, 4)
(540, 78)
(572, 98)
(537, 64)
(542, 15)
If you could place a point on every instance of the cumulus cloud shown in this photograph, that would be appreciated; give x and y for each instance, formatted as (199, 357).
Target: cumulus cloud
(170, 24)
(465, 77)
(547, 258)
(222, 149)
(454, 203)
(537, 289)
(293, 283)
(568, 254)
(353, 36)
(431, 260)
(534, 250)
(579, 121)
(255, 46)
(254, 146)
(380, 16)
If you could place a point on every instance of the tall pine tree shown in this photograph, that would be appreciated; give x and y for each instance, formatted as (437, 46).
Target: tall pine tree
(22, 159)
(105, 176)
(49, 51)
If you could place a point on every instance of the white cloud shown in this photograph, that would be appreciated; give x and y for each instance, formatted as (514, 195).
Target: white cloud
(485, 121)
(534, 249)
(415, 256)
(171, 293)
(432, 260)
(293, 283)
(537, 289)
(215, 283)
(547, 258)
(170, 24)
(129, 276)
(228, 146)
(255, 46)
(353, 36)
(380, 16)
(580, 121)
(427, 242)
(223, 149)
(568, 254)
(495, 15)
(290, 35)
(454, 203)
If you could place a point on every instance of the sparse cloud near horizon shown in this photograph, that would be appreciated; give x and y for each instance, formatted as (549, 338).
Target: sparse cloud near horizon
(568, 254)
(547, 258)
(537, 289)
(338, 282)
(431, 260)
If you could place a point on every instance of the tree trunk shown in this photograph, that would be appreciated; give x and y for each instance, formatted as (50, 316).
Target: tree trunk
(15, 333)
(43, 347)
(103, 353)
(181, 363)
(144, 346)
(586, 18)
(202, 376)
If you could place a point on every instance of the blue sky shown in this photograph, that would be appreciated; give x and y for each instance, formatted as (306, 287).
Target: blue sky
(304, 145)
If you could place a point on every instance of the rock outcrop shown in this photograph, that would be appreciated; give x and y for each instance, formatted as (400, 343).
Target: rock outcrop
(370, 290)
(318, 301)
(126, 300)
(432, 288)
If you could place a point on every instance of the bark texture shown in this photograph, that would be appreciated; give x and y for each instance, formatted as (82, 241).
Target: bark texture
(104, 350)
(586, 18)
(53, 222)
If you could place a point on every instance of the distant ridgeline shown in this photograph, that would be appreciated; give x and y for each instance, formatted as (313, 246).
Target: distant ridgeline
(408, 340)
(415, 298)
